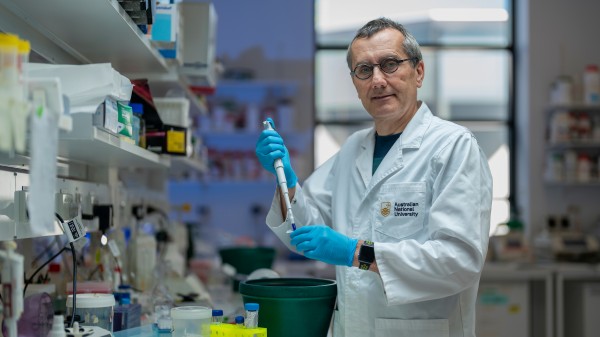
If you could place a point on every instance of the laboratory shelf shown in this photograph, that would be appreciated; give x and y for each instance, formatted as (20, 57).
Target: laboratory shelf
(179, 164)
(574, 107)
(174, 84)
(99, 147)
(99, 31)
(581, 144)
(593, 183)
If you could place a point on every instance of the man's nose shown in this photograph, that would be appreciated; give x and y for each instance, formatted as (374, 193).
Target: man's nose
(378, 78)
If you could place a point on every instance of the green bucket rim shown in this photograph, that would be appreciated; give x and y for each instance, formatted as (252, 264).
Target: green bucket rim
(289, 288)
(237, 248)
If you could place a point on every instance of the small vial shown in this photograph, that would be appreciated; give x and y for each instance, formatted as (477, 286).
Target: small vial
(239, 321)
(217, 316)
(251, 315)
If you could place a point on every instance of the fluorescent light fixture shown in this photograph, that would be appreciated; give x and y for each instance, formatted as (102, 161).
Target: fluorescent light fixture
(468, 14)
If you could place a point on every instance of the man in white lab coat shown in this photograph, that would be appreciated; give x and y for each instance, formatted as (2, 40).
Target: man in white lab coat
(402, 210)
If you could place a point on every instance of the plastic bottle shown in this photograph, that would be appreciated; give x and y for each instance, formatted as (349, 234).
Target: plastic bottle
(58, 327)
(251, 321)
(584, 125)
(217, 316)
(596, 128)
(562, 90)
(559, 127)
(584, 168)
(555, 168)
(570, 166)
(591, 85)
(138, 111)
(58, 279)
(239, 321)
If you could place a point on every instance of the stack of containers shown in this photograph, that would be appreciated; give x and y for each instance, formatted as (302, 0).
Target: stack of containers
(14, 52)
(175, 136)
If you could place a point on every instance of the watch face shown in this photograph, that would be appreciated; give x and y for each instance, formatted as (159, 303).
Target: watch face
(366, 254)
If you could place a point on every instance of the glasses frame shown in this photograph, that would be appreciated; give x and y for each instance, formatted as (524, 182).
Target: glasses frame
(372, 66)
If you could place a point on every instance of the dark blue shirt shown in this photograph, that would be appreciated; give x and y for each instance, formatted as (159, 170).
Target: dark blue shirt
(383, 144)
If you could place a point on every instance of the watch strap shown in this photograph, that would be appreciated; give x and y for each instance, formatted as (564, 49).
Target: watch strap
(365, 263)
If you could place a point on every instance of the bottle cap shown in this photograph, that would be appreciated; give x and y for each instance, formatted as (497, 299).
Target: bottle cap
(54, 268)
(217, 312)
(591, 67)
(239, 319)
(137, 108)
(251, 306)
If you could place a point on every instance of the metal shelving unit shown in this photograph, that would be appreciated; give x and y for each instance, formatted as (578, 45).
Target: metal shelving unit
(64, 31)
(100, 31)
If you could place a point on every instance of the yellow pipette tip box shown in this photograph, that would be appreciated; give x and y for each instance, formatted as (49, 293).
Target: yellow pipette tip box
(230, 330)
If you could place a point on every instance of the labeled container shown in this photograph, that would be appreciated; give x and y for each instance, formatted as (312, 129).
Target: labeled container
(93, 309)
(192, 321)
(562, 90)
(292, 307)
(591, 85)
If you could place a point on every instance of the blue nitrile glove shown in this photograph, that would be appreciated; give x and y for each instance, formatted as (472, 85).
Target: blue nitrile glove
(324, 244)
(270, 147)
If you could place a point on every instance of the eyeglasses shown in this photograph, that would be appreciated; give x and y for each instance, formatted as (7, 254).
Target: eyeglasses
(389, 65)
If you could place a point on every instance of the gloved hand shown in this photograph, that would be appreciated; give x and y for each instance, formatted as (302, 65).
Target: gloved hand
(324, 244)
(270, 147)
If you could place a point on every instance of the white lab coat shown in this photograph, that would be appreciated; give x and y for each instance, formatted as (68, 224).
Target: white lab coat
(427, 208)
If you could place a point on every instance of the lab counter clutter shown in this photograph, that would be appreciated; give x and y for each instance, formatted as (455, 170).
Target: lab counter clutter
(277, 307)
(249, 291)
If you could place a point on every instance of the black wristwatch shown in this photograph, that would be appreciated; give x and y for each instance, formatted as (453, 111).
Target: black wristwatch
(366, 255)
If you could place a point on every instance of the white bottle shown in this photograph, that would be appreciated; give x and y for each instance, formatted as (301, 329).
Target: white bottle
(591, 85)
(570, 158)
(584, 168)
(584, 126)
(596, 128)
(555, 168)
(559, 128)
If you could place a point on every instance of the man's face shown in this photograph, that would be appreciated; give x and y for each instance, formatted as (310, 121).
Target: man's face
(386, 96)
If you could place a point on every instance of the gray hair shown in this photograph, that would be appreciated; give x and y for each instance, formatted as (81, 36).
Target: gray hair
(410, 45)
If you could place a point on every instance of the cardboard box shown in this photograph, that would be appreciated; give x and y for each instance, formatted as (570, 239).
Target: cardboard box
(170, 139)
(107, 115)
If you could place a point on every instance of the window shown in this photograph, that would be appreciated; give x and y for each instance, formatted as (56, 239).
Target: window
(468, 56)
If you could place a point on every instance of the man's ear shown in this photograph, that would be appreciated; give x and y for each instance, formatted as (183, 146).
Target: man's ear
(420, 73)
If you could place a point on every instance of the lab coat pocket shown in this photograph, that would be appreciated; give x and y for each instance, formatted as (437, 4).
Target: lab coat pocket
(412, 327)
(400, 211)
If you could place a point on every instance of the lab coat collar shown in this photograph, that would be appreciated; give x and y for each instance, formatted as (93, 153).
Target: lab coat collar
(411, 138)
(413, 134)
(364, 161)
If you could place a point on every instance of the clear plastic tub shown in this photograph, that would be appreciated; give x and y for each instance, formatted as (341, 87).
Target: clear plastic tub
(93, 309)
(192, 321)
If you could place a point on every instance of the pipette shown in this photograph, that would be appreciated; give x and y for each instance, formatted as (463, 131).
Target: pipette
(278, 165)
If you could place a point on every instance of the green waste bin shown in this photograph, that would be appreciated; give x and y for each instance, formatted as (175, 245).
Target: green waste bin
(247, 259)
(292, 307)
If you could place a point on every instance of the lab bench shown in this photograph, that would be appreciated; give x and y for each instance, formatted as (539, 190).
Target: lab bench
(553, 300)
(549, 300)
